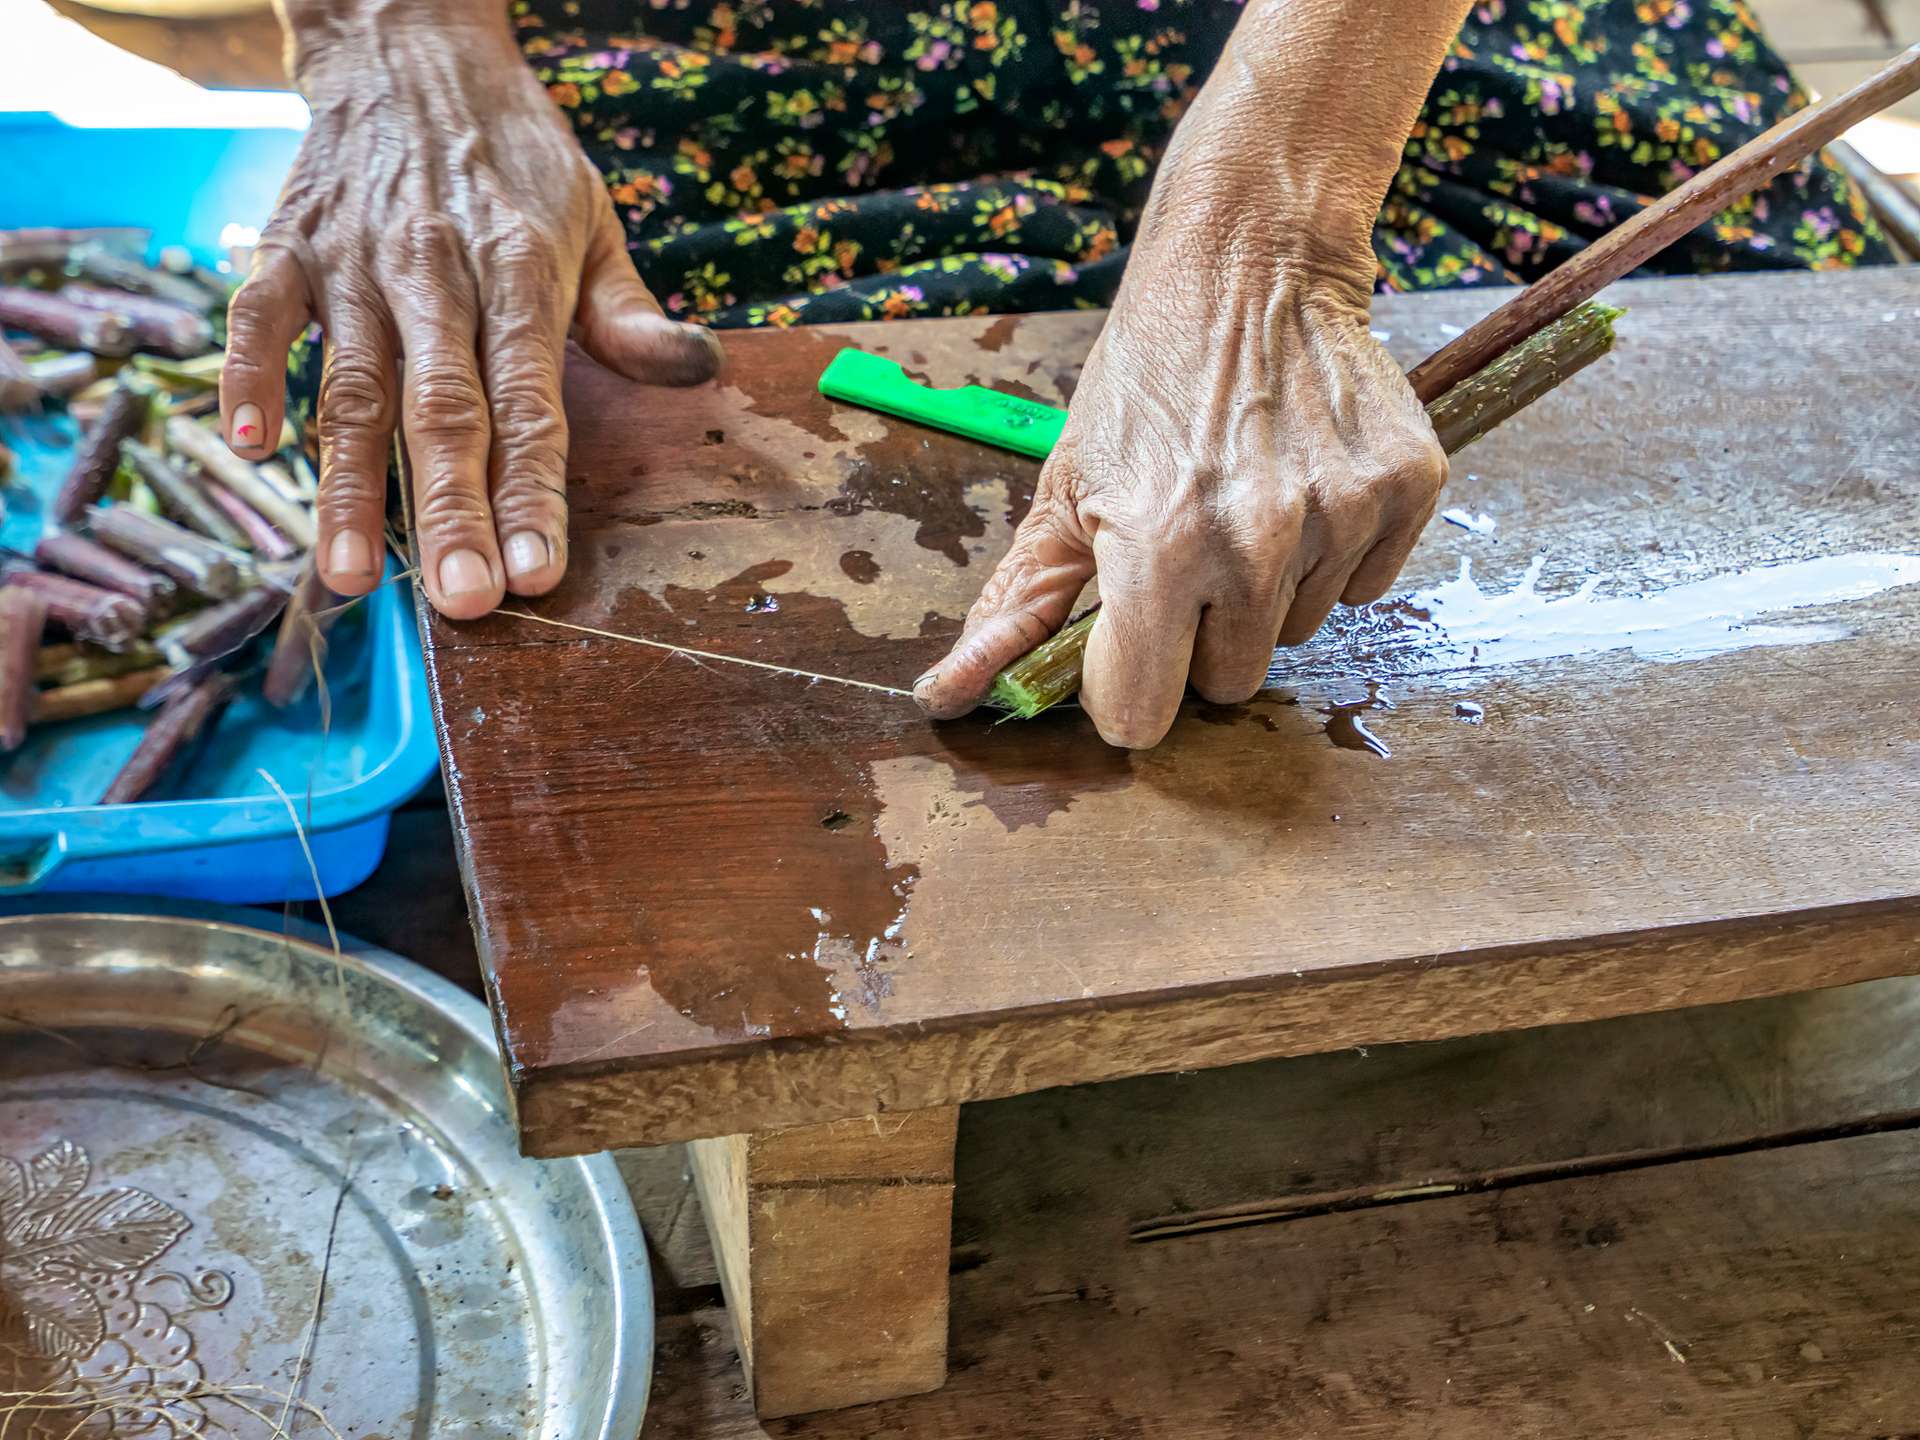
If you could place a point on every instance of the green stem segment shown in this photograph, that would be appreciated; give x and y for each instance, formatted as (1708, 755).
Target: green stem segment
(1050, 673)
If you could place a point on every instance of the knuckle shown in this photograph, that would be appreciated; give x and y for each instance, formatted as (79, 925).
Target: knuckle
(447, 505)
(446, 405)
(525, 251)
(347, 491)
(241, 371)
(427, 241)
(355, 394)
(1364, 590)
(1416, 465)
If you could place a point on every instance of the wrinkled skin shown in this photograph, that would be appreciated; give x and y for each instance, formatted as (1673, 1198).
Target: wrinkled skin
(1239, 454)
(1230, 473)
(444, 228)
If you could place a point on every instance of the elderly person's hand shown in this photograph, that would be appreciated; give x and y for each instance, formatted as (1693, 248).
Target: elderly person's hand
(445, 230)
(1240, 453)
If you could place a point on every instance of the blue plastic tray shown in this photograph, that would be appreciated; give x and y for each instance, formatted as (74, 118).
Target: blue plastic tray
(234, 841)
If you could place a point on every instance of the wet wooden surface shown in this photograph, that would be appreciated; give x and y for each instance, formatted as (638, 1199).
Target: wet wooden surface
(712, 899)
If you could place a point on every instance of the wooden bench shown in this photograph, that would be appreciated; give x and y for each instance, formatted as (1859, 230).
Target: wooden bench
(790, 920)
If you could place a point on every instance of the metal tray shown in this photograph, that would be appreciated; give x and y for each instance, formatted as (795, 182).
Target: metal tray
(201, 1121)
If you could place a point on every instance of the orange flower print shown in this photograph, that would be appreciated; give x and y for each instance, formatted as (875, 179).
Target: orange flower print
(565, 94)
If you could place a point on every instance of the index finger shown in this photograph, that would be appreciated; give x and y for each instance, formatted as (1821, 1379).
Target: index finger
(1025, 600)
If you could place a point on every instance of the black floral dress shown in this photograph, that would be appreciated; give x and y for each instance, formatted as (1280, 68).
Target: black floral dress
(782, 161)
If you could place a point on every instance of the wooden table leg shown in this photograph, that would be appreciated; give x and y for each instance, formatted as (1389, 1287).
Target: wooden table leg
(832, 1242)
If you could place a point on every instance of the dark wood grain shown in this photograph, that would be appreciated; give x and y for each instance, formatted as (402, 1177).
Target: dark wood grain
(1764, 1296)
(648, 838)
(1068, 1327)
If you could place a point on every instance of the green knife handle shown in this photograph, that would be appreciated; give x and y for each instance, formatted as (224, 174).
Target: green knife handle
(989, 416)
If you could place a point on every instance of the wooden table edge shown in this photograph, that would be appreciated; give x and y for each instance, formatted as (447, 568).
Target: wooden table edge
(752, 1086)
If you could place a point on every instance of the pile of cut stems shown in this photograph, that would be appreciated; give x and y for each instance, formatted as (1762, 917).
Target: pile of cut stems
(166, 559)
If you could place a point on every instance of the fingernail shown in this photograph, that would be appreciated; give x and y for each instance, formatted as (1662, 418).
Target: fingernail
(351, 553)
(249, 429)
(527, 552)
(462, 573)
(923, 687)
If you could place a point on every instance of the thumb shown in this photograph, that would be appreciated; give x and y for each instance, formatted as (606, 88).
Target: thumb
(1027, 598)
(621, 325)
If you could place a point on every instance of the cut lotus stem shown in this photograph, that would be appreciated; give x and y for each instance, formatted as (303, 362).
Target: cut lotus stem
(223, 467)
(101, 696)
(19, 391)
(63, 323)
(300, 649)
(202, 372)
(281, 478)
(182, 499)
(23, 619)
(96, 263)
(98, 457)
(302, 473)
(190, 560)
(262, 538)
(178, 260)
(186, 718)
(84, 559)
(1045, 675)
(162, 325)
(75, 664)
(46, 245)
(64, 375)
(1050, 673)
(105, 617)
(219, 630)
(1522, 375)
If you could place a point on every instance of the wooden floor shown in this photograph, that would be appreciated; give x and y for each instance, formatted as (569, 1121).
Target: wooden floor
(1704, 1223)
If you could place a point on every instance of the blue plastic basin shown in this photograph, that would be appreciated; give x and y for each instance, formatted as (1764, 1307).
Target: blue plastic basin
(233, 840)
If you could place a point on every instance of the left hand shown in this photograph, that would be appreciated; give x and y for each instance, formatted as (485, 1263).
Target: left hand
(1232, 465)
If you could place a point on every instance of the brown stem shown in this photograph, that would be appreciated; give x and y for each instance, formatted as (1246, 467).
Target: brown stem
(181, 496)
(300, 648)
(105, 617)
(126, 410)
(23, 618)
(184, 719)
(154, 324)
(61, 322)
(81, 558)
(65, 665)
(19, 391)
(100, 696)
(1624, 249)
(188, 559)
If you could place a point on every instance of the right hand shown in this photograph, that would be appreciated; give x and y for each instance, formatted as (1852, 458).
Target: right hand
(446, 231)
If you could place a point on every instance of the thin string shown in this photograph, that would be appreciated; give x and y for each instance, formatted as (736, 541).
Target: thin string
(706, 654)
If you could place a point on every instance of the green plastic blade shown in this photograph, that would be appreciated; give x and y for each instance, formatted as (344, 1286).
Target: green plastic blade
(989, 416)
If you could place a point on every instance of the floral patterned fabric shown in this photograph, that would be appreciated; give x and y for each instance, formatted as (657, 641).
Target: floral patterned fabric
(781, 161)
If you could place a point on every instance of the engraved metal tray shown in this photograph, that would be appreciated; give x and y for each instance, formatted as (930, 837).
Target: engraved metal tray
(247, 1188)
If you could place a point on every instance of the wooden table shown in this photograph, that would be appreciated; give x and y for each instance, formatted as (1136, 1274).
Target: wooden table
(794, 922)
